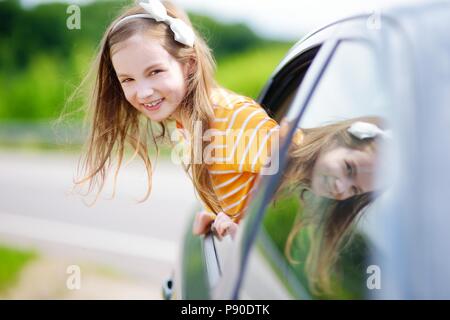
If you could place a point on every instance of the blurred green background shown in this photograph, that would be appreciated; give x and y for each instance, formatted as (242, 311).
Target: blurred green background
(42, 62)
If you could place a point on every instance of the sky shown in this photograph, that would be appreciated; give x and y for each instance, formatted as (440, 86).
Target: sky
(277, 19)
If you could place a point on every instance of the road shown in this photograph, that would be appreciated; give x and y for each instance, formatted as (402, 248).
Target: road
(38, 211)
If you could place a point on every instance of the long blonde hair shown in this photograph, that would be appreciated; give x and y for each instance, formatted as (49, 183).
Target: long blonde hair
(114, 122)
(331, 220)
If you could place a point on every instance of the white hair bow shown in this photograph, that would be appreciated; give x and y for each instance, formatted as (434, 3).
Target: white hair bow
(365, 130)
(183, 33)
(156, 10)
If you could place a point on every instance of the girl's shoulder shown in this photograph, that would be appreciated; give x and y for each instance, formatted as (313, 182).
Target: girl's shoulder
(233, 111)
(226, 99)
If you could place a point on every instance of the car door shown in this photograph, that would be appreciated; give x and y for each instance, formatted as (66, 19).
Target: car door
(349, 83)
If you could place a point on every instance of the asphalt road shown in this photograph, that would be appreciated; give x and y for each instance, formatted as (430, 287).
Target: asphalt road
(38, 211)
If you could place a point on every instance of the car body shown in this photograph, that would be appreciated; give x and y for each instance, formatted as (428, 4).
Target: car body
(393, 64)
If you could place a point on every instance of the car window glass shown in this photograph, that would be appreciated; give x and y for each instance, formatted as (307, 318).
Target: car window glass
(330, 180)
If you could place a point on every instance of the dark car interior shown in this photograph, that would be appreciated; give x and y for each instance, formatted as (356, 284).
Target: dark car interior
(278, 94)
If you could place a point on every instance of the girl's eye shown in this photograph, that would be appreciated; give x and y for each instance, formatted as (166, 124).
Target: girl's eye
(349, 169)
(126, 80)
(155, 72)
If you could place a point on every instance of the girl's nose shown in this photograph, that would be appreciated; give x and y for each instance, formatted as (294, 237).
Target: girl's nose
(144, 92)
(340, 186)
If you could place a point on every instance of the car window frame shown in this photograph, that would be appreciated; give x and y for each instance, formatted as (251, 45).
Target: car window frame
(291, 75)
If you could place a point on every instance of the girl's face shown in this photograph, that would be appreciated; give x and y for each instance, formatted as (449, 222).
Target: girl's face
(152, 80)
(340, 173)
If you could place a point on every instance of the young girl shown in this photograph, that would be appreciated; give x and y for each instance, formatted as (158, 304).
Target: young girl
(153, 67)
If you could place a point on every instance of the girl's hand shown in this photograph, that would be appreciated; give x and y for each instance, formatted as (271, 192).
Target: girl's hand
(223, 225)
(202, 222)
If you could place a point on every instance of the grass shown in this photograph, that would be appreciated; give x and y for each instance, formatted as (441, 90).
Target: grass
(11, 263)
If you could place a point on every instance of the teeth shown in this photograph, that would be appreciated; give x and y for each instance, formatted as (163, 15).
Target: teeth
(154, 103)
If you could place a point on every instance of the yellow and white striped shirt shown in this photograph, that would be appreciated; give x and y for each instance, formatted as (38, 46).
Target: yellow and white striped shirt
(239, 144)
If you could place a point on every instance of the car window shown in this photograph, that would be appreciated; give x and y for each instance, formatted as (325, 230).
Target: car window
(330, 180)
(279, 93)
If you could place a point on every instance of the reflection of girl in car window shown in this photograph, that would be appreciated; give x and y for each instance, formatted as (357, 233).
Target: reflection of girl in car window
(334, 171)
(335, 162)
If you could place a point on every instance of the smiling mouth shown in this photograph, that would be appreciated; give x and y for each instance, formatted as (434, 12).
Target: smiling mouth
(153, 105)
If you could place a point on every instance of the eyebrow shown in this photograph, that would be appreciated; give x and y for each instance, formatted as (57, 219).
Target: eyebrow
(156, 65)
(355, 168)
(355, 175)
